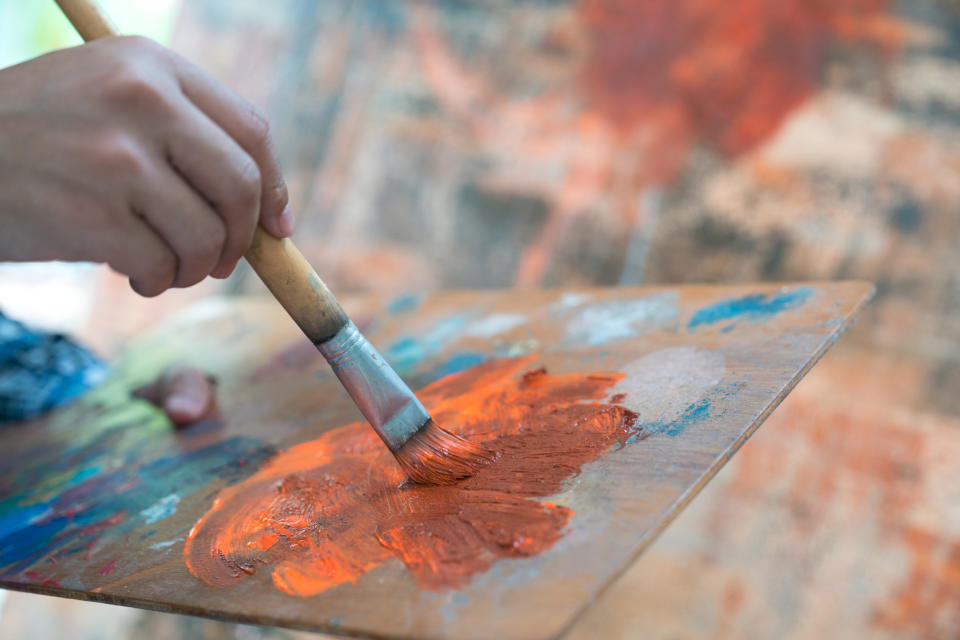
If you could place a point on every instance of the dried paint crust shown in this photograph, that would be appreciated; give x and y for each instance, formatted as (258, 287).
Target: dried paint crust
(326, 511)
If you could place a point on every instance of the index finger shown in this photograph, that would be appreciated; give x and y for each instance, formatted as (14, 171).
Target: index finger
(250, 129)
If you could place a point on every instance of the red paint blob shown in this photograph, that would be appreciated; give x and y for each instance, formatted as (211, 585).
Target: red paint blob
(37, 576)
(326, 511)
(109, 567)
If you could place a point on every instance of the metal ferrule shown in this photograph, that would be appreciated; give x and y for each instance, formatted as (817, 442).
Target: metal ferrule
(382, 397)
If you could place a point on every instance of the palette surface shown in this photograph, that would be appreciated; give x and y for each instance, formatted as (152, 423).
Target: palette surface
(609, 409)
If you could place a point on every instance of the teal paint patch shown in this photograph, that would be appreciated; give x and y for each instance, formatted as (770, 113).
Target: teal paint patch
(693, 414)
(83, 474)
(406, 353)
(457, 363)
(404, 303)
(755, 308)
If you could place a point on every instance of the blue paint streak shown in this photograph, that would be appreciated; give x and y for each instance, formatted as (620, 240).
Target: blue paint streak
(404, 302)
(14, 521)
(456, 364)
(31, 530)
(693, 414)
(83, 474)
(406, 353)
(755, 308)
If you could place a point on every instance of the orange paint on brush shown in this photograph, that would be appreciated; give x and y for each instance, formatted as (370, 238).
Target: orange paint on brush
(327, 511)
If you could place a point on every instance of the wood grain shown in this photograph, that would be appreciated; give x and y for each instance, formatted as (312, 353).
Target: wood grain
(97, 499)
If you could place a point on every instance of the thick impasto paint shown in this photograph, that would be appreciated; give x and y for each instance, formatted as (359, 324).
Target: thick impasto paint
(327, 511)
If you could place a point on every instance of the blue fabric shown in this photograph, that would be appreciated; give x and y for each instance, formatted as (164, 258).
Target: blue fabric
(41, 370)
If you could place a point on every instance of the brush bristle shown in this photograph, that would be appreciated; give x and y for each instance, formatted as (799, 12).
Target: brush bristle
(433, 455)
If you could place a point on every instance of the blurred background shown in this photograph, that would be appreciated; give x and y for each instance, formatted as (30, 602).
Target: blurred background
(557, 143)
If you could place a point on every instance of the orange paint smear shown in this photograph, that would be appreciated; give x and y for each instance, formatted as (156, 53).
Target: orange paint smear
(325, 512)
(720, 73)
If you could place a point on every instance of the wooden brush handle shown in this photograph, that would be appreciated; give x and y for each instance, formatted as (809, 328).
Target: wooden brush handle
(284, 270)
(295, 284)
(88, 19)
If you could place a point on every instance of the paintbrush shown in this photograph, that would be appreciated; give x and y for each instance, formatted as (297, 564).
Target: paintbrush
(428, 453)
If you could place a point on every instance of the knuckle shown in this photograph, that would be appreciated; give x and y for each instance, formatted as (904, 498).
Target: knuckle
(134, 41)
(138, 44)
(134, 87)
(161, 268)
(190, 276)
(211, 242)
(199, 260)
(280, 193)
(247, 188)
(257, 126)
(119, 153)
(85, 212)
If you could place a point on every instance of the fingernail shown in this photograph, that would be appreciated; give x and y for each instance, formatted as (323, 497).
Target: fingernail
(286, 221)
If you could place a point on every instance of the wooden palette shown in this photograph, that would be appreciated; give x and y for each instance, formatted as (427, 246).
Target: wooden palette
(96, 500)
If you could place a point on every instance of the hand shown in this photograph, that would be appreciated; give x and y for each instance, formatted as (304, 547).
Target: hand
(120, 151)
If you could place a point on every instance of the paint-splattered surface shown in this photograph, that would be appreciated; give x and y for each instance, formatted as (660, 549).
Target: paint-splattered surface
(838, 519)
(108, 493)
(850, 169)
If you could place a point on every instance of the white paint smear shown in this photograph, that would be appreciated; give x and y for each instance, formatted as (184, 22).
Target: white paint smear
(603, 322)
(163, 508)
(662, 384)
(495, 324)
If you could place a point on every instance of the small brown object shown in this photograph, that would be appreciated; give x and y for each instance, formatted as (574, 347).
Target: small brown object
(169, 390)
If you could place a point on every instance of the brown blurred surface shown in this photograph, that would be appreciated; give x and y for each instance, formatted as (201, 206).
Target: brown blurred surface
(448, 144)
(839, 519)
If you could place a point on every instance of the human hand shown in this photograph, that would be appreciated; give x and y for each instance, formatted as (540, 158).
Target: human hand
(120, 151)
